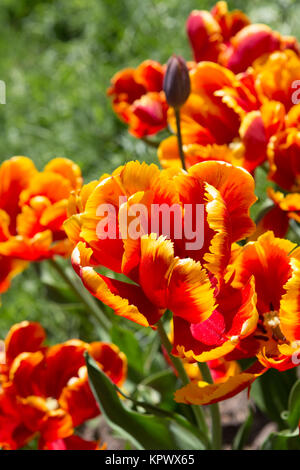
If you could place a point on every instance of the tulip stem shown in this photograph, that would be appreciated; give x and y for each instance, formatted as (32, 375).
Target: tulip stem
(214, 410)
(178, 365)
(85, 298)
(179, 137)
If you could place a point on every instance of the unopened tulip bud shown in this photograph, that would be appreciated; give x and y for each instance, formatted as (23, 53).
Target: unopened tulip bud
(176, 84)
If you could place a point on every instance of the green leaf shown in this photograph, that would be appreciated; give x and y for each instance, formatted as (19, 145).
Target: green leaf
(164, 382)
(284, 440)
(294, 406)
(271, 393)
(243, 433)
(129, 345)
(144, 431)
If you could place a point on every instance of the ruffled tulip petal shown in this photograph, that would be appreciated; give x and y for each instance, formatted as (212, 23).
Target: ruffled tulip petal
(34, 249)
(283, 149)
(267, 260)
(78, 400)
(66, 168)
(24, 337)
(57, 426)
(9, 268)
(15, 175)
(229, 180)
(234, 319)
(248, 44)
(202, 393)
(254, 138)
(271, 83)
(204, 34)
(125, 299)
(290, 303)
(112, 361)
(181, 285)
(24, 373)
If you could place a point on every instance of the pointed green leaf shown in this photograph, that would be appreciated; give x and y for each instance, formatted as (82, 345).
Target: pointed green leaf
(271, 393)
(284, 440)
(243, 433)
(142, 430)
(294, 406)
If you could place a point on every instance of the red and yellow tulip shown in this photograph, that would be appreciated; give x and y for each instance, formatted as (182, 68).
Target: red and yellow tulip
(33, 207)
(45, 390)
(138, 99)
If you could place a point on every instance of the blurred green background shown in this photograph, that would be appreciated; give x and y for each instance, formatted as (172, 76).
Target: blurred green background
(57, 58)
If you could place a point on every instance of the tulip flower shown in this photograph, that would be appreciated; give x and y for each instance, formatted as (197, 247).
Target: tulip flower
(138, 98)
(45, 390)
(167, 273)
(33, 207)
(274, 264)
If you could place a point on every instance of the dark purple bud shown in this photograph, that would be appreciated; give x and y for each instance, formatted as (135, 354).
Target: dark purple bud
(176, 86)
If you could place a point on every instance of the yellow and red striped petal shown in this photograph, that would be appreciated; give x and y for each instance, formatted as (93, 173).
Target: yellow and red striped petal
(15, 175)
(268, 261)
(204, 34)
(202, 393)
(112, 361)
(34, 249)
(248, 44)
(236, 187)
(51, 185)
(127, 300)
(181, 285)
(230, 22)
(9, 268)
(275, 74)
(284, 165)
(234, 319)
(78, 401)
(194, 153)
(24, 337)
(289, 313)
(254, 138)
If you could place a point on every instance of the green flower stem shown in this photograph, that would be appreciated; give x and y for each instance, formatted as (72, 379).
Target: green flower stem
(85, 298)
(179, 137)
(177, 363)
(214, 410)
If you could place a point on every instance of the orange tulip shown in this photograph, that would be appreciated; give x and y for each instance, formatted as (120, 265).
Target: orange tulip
(223, 119)
(275, 75)
(274, 263)
(229, 39)
(250, 43)
(33, 207)
(275, 266)
(138, 99)
(45, 390)
(166, 273)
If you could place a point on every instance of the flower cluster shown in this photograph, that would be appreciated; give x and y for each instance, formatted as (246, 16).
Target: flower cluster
(44, 391)
(229, 38)
(33, 207)
(151, 242)
(217, 37)
(227, 301)
(243, 107)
